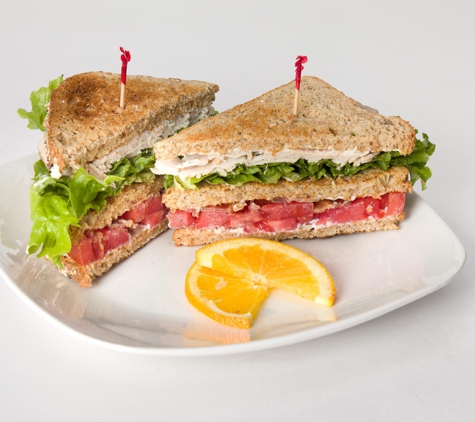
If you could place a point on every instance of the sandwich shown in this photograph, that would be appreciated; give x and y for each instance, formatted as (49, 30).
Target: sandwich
(338, 167)
(94, 199)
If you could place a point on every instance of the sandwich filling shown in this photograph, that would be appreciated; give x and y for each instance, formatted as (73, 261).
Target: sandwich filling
(262, 216)
(96, 244)
(58, 204)
(143, 140)
(198, 165)
(236, 168)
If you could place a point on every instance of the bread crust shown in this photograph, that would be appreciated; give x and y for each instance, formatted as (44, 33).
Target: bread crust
(84, 275)
(196, 237)
(85, 121)
(327, 120)
(374, 182)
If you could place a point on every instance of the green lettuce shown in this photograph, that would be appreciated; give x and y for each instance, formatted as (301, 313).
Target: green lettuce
(39, 100)
(416, 163)
(58, 204)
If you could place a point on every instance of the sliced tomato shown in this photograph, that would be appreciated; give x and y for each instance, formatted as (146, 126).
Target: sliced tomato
(109, 238)
(354, 211)
(283, 225)
(180, 219)
(250, 214)
(137, 214)
(372, 206)
(82, 253)
(154, 219)
(154, 204)
(213, 217)
(263, 215)
(394, 203)
(302, 211)
(97, 243)
(116, 237)
(144, 209)
(260, 226)
(99, 246)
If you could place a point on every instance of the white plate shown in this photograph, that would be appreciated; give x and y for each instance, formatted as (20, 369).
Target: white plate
(139, 306)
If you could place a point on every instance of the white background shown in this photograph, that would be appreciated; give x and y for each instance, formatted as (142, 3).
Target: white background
(413, 58)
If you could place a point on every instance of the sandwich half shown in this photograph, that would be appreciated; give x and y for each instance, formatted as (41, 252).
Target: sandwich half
(255, 170)
(94, 200)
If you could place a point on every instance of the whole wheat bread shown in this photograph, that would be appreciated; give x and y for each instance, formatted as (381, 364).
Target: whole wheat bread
(327, 120)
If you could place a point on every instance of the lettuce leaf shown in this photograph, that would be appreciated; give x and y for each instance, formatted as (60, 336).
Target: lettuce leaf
(58, 204)
(39, 100)
(416, 163)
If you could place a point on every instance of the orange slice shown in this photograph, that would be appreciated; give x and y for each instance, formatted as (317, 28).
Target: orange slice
(230, 279)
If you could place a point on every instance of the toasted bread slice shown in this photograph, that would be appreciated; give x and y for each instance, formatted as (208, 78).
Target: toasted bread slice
(85, 121)
(327, 120)
(374, 182)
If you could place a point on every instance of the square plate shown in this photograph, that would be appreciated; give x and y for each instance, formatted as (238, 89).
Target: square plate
(139, 306)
